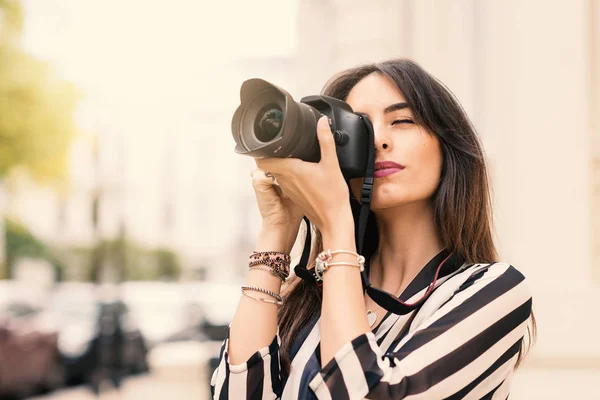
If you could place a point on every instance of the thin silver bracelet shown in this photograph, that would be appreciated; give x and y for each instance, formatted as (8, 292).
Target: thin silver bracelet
(265, 291)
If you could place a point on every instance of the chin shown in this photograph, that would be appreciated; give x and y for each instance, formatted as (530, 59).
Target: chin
(387, 199)
(382, 201)
(386, 196)
(384, 205)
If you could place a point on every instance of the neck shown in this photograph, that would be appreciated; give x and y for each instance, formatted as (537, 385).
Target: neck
(408, 239)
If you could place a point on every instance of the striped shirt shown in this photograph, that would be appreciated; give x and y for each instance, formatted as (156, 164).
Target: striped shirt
(462, 342)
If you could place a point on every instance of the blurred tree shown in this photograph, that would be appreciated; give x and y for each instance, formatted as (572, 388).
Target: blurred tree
(20, 242)
(36, 116)
(130, 261)
(36, 111)
(168, 265)
(11, 19)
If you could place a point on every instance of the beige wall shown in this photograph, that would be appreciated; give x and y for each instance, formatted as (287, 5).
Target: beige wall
(595, 128)
(524, 71)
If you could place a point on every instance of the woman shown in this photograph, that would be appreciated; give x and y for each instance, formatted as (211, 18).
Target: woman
(430, 207)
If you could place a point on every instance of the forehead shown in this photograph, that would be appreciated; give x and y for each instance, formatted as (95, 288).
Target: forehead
(374, 93)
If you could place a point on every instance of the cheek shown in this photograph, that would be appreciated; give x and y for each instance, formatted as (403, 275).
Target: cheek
(417, 182)
(427, 161)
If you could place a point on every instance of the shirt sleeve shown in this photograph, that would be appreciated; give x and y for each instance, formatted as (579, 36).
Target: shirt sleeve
(258, 378)
(467, 348)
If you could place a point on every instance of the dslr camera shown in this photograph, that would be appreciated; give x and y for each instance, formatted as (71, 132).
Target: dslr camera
(269, 123)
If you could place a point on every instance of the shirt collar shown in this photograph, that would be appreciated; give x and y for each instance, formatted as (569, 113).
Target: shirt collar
(426, 275)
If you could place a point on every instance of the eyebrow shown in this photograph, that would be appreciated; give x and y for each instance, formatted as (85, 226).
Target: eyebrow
(395, 107)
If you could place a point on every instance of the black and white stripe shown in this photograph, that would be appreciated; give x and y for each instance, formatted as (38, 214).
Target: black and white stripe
(463, 342)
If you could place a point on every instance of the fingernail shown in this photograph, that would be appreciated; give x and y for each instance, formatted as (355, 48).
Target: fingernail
(323, 122)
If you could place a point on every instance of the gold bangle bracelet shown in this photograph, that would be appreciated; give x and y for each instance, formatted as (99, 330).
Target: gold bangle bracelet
(260, 299)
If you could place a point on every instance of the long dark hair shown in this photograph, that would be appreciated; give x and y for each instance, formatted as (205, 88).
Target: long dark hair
(462, 202)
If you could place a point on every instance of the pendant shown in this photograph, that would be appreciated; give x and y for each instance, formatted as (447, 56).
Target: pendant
(371, 317)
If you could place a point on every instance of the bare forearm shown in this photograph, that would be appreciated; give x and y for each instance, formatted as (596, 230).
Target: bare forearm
(343, 312)
(255, 323)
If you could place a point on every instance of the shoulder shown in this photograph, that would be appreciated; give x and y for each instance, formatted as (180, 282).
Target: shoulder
(497, 279)
(494, 269)
(486, 292)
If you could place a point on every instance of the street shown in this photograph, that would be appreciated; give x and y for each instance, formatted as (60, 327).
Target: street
(177, 384)
(146, 387)
(183, 385)
(178, 370)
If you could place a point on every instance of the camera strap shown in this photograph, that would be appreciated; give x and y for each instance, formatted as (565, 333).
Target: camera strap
(383, 298)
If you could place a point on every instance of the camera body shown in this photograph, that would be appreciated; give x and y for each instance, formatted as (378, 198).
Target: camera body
(269, 123)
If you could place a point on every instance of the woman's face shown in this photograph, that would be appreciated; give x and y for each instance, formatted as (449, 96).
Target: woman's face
(397, 139)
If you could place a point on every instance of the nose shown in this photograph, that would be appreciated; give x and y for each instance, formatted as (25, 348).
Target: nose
(381, 141)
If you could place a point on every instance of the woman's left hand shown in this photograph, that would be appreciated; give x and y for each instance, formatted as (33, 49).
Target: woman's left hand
(318, 189)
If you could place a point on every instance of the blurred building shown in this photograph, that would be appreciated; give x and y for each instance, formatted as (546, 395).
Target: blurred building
(186, 190)
(155, 161)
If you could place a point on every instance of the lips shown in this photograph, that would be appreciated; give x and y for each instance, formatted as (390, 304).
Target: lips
(385, 168)
(387, 165)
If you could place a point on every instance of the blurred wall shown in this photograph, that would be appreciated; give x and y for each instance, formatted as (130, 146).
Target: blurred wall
(156, 151)
(527, 72)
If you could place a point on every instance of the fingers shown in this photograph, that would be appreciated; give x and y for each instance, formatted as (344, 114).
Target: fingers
(326, 141)
(278, 166)
(262, 181)
(260, 175)
(269, 175)
(289, 166)
(265, 180)
(279, 191)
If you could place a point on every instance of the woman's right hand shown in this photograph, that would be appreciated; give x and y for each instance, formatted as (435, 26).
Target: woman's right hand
(279, 213)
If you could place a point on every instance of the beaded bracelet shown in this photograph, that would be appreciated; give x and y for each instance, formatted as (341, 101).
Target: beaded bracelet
(322, 263)
(279, 262)
(275, 256)
(260, 299)
(278, 270)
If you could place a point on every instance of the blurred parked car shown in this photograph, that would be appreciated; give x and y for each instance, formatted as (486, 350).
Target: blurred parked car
(82, 319)
(117, 349)
(218, 301)
(162, 310)
(29, 360)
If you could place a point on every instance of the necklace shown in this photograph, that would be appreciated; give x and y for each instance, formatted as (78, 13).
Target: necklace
(371, 317)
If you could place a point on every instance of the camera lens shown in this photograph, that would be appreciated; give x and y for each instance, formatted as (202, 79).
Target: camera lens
(268, 122)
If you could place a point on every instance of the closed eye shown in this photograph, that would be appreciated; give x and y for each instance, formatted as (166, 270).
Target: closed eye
(403, 121)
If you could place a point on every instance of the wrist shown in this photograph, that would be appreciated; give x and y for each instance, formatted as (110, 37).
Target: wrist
(339, 237)
(264, 279)
(276, 239)
(339, 229)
